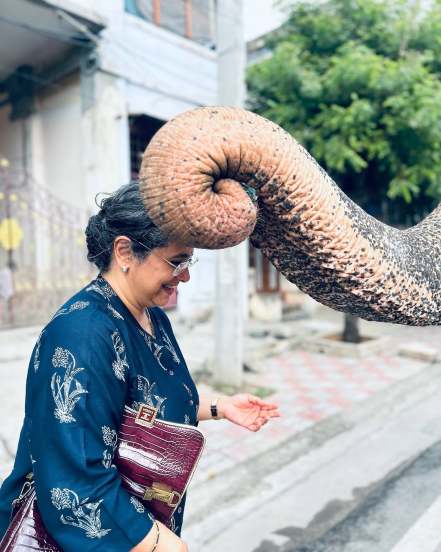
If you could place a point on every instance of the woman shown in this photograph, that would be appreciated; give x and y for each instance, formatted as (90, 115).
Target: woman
(108, 346)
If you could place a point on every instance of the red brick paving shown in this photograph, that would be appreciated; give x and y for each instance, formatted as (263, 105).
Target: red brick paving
(308, 388)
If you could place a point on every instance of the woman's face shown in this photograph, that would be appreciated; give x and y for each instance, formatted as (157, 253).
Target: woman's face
(152, 279)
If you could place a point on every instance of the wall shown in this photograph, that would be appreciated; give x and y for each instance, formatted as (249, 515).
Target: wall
(60, 120)
(11, 137)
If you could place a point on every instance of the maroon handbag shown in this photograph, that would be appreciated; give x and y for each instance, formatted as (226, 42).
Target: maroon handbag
(155, 460)
(26, 530)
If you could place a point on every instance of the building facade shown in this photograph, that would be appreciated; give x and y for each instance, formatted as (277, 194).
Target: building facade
(82, 91)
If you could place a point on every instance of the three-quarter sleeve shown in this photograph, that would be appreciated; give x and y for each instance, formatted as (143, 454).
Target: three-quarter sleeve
(78, 388)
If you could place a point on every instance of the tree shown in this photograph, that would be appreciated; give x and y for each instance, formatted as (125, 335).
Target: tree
(357, 82)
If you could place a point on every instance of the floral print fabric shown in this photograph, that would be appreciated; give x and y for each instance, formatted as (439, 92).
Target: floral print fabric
(89, 361)
(66, 389)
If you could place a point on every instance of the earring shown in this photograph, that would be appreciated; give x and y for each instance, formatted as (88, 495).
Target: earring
(125, 269)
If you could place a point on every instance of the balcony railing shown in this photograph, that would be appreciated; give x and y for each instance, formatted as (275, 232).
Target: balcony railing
(193, 19)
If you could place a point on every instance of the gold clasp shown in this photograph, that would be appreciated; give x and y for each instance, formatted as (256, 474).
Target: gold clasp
(164, 493)
(146, 415)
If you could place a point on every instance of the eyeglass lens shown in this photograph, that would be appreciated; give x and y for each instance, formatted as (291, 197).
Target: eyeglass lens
(184, 265)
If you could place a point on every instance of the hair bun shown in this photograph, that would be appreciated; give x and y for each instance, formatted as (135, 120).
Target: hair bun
(95, 233)
(120, 213)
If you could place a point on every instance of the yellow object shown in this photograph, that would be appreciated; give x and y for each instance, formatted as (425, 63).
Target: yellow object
(11, 234)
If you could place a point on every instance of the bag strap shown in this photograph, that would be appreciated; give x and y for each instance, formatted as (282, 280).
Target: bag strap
(26, 491)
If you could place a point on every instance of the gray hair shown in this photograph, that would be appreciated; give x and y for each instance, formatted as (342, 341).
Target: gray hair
(121, 213)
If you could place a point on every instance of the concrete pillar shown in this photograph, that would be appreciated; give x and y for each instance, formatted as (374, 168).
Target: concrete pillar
(232, 264)
(35, 174)
(196, 297)
(231, 297)
(105, 145)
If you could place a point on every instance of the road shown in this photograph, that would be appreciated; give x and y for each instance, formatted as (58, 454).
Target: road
(366, 479)
(401, 515)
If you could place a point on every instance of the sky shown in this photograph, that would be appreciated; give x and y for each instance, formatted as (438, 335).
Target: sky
(260, 16)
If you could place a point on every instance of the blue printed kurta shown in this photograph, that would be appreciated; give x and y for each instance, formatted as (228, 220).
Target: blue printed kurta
(89, 361)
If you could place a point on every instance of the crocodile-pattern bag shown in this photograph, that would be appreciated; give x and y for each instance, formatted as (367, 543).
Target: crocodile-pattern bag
(26, 530)
(155, 460)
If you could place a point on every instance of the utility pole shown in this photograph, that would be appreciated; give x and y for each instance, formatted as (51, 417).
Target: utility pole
(232, 263)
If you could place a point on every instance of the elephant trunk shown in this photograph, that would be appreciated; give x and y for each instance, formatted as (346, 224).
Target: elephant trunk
(196, 178)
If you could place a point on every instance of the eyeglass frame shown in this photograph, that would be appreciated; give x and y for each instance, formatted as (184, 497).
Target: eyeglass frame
(178, 268)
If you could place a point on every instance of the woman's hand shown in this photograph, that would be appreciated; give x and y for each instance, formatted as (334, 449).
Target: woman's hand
(168, 541)
(247, 410)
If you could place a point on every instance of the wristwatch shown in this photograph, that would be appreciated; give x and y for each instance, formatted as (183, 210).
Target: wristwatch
(213, 408)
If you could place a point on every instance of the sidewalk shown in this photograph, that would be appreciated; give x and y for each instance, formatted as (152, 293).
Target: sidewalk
(15, 349)
(308, 387)
(312, 391)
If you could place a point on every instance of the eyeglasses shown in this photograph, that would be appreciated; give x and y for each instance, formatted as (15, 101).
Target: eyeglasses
(181, 267)
(178, 268)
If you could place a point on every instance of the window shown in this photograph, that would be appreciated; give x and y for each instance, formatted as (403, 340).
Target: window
(194, 19)
(142, 129)
(267, 276)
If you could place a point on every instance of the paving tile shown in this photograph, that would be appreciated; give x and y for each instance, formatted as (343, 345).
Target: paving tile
(308, 388)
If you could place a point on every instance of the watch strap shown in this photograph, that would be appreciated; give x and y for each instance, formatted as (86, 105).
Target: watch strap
(213, 408)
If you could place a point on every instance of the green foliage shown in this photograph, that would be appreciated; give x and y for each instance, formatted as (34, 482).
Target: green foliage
(358, 82)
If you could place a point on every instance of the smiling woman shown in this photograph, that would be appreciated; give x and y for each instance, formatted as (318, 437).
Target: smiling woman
(180, 262)
(109, 347)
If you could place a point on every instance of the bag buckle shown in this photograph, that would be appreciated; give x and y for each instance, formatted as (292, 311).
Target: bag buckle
(163, 493)
(146, 415)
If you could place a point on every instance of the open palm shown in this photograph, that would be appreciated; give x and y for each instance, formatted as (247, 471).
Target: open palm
(248, 411)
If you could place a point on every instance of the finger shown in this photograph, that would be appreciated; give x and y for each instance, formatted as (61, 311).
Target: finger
(268, 409)
(261, 424)
(274, 410)
(256, 400)
(269, 414)
(268, 418)
(267, 406)
(270, 406)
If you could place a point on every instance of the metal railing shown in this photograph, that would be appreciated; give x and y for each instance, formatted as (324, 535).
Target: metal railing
(42, 249)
